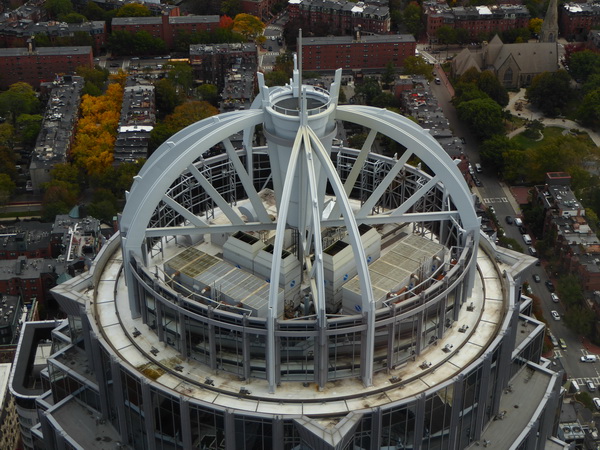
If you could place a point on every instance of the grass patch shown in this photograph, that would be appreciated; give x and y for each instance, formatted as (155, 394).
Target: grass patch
(549, 133)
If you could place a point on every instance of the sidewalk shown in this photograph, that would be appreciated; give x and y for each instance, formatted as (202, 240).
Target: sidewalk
(530, 113)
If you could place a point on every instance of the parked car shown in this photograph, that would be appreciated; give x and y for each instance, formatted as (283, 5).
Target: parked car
(596, 401)
(562, 343)
(532, 251)
(554, 297)
(591, 386)
(555, 315)
(550, 285)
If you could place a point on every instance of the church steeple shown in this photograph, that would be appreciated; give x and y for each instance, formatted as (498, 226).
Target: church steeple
(549, 31)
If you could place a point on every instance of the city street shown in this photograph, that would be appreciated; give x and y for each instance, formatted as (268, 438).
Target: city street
(496, 194)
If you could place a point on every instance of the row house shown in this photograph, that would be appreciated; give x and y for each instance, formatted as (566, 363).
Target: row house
(35, 65)
(576, 242)
(343, 16)
(477, 20)
(577, 19)
(17, 34)
(166, 27)
(366, 52)
(138, 117)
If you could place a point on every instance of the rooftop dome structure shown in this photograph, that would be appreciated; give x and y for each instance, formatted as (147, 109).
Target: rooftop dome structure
(300, 294)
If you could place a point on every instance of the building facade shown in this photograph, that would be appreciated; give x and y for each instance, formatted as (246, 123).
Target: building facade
(291, 296)
(35, 65)
(342, 17)
(166, 27)
(478, 21)
(352, 54)
(577, 19)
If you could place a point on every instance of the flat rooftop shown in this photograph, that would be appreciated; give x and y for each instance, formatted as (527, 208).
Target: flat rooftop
(466, 341)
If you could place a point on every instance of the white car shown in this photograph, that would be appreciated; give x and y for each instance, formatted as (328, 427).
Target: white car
(596, 401)
(554, 297)
(555, 315)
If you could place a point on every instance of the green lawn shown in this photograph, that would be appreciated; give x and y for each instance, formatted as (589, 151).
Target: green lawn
(549, 132)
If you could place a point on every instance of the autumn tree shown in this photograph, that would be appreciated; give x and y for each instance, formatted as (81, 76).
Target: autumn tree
(248, 26)
(535, 25)
(184, 115)
(93, 149)
(226, 22)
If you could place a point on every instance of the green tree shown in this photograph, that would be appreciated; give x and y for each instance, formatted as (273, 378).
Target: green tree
(248, 26)
(59, 198)
(488, 83)
(415, 65)
(492, 151)
(556, 154)
(7, 134)
(73, 17)
(484, 117)
(209, 93)
(103, 205)
(446, 35)
(28, 126)
(20, 98)
(93, 12)
(389, 73)
(7, 188)
(550, 92)
(58, 8)
(7, 162)
(368, 90)
(276, 78)
(580, 320)
(584, 64)
(166, 97)
(231, 8)
(133, 10)
(412, 18)
(181, 75)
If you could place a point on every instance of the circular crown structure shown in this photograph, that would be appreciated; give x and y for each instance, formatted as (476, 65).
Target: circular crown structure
(300, 231)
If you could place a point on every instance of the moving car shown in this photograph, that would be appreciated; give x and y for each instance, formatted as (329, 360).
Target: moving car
(536, 278)
(589, 358)
(509, 220)
(562, 343)
(550, 285)
(555, 315)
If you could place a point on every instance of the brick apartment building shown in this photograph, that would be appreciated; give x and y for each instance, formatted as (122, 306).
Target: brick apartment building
(17, 33)
(166, 27)
(365, 53)
(258, 8)
(35, 65)
(477, 20)
(343, 16)
(577, 19)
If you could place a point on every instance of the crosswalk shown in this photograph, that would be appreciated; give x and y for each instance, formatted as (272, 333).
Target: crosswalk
(489, 200)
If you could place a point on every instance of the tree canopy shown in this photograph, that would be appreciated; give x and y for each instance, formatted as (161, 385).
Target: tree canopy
(133, 10)
(584, 64)
(20, 98)
(248, 26)
(415, 65)
(483, 115)
(550, 92)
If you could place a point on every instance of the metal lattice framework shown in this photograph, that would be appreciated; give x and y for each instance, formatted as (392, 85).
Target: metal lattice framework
(178, 191)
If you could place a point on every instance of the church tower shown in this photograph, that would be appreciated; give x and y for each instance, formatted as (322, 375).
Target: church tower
(549, 31)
